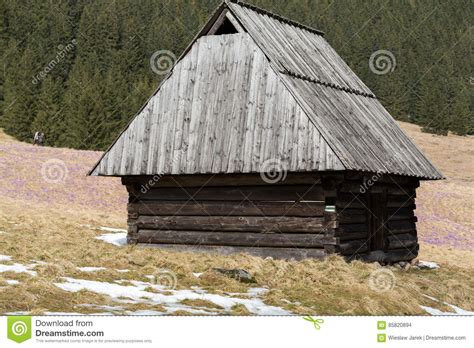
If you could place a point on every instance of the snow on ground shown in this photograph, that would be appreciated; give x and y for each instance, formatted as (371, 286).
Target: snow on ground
(427, 265)
(5, 258)
(434, 311)
(111, 229)
(91, 269)
(170, 299)
(18, 268)
(12, 282)
(117, 239)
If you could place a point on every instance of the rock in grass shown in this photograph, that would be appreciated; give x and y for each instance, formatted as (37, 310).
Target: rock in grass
(239, 274)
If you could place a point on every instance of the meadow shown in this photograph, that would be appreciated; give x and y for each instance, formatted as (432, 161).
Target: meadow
(54, 256)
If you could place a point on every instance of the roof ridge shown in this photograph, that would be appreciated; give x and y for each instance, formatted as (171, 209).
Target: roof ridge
(278, 17)
(328, 84)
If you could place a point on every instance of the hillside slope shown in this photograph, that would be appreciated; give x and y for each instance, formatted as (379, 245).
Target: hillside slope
(51, 215)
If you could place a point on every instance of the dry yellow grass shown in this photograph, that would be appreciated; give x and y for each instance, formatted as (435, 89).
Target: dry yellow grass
(59, 236)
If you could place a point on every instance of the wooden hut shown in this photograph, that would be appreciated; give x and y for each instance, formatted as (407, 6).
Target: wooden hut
(262, 140)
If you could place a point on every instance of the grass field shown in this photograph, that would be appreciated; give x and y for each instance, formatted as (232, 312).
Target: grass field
(51, 214)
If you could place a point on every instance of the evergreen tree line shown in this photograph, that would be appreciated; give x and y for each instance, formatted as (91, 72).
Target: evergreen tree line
(78, 70)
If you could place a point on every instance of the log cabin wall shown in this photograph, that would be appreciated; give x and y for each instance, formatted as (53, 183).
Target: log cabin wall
(376, 219)
(231, 213)
(303, 216)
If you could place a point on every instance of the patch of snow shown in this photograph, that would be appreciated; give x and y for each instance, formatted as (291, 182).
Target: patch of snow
(111, 229)
(91, 269)
(170, 298)
(12, 282)
(197, 275)
(254, 292)
(427, 265)
(117, 239)
(434, 311)
(5, 258)
(122, 270)
(18, 268)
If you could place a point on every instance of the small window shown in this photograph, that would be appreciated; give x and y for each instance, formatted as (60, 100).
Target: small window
(226, 28)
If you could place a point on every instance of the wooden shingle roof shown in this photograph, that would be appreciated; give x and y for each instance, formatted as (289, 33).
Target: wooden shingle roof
(275, 91)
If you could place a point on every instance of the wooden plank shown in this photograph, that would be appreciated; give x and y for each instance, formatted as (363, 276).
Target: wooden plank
(346, 236)
(232, 238)
(233, 223)
(354, 247)
(350, 228)
(254, 193)
(200, 180)
(396, 214)
(217, 24)
(404, 226)
(349, 201)
(405, 240)
(277, 253)
(228, 208)
(347, 216)
(234, 22)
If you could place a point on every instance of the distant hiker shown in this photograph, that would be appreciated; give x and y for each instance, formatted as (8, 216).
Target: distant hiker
(38, 139)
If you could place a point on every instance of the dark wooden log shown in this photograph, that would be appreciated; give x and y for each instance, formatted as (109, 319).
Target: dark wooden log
(351, 228)
(405, 240)
(345, 236)
(383, 178)
(233, 223)
(242, 193)
(132, 235)
(351, 216)
(400, 201)
(394, 190)
(354, 247)
(201, 180)
(397, 214)
(233, 238)
(228, 208)
(351, 201)
(277, 253)
(403, 226)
